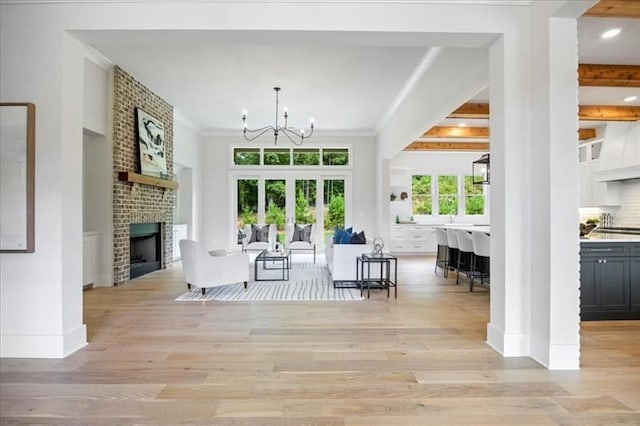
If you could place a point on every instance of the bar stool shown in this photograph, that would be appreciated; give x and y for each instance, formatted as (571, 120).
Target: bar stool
(452, 243)
(442, 254)
(465, 254)
(482, 251)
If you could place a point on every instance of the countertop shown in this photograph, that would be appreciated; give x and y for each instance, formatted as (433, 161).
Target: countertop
(598, 237)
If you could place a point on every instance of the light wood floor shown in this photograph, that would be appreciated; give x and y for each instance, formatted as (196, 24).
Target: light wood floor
(417, 360)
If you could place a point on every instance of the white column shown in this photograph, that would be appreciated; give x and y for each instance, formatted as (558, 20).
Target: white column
(508, 330)
(555, 340)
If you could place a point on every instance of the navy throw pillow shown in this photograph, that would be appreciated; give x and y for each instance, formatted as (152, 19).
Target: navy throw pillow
(358, 238)
(337, 235)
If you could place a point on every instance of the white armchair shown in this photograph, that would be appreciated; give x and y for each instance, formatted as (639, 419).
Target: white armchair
(212, 269)
(299, 243)
(251, 242)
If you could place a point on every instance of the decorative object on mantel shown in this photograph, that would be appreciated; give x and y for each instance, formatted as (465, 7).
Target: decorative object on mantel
(378, 245)
(403, 195)
(153, 160)
(17, 175)
(296, 136)
(393, 196)
(481, 170)
(147, 180)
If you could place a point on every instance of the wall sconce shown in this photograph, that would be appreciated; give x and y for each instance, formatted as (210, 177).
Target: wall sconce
(481, 170)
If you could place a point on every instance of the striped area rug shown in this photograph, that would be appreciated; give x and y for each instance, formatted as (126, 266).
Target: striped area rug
(307, 282)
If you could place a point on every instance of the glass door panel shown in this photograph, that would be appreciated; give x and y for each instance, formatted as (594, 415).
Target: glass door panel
(333, 209)
(247, 204)
(305, 202)
(275, 193)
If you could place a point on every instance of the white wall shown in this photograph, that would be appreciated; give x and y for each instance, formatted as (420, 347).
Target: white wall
(218, 209)
(188, 153)
(41, 293)
(97, 199)
(96, 98)
(97, 162)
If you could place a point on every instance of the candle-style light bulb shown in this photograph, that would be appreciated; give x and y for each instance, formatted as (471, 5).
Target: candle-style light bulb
(312, 122)
(302, 132)
(244, 114)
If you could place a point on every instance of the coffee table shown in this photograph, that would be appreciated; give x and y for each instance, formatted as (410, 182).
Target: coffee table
(272, 261)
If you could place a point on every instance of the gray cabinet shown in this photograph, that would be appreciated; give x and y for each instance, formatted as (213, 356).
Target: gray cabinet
(609, 281)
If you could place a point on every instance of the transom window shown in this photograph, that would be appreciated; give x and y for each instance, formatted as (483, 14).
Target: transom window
(283, 156)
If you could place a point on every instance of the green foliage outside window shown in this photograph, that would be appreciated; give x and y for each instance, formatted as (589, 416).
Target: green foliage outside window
(276, 157)
(473, 197)
(275, 214)
(448, 194)
(334, 216)
(335, 157)
(421, 198)
(306, 157)
(246, 156)
(303, 212)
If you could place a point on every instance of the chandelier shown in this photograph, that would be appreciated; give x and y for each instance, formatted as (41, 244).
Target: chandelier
(296, 136)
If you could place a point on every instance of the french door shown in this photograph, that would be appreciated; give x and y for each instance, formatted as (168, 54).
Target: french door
(291, 198)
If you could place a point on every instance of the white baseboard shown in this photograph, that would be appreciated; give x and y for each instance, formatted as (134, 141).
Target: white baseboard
(43, 346)
(508, 345)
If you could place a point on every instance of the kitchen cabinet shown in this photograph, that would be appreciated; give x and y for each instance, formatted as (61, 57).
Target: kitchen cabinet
(609, 281)
(412, 238)
(592, 192)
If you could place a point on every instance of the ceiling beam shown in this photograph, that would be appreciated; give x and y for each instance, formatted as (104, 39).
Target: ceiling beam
(457, 132)
(609, 75)
(596, 112)
(447, 146)
(615, 9)
(608, 113)
(586, 134)
(471, 110)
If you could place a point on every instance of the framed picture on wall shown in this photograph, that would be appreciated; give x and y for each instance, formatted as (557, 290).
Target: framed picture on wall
(17, 177)
(153, 161)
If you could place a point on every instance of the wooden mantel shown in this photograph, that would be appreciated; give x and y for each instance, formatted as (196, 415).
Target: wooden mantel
(147, 180)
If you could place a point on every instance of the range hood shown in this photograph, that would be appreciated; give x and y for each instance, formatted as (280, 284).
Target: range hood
(620, 154)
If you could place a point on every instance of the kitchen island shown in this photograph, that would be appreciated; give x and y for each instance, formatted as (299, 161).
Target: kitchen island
(610, 276)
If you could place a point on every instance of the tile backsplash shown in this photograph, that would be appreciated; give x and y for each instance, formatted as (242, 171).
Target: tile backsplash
(628, 215)
(625, 216)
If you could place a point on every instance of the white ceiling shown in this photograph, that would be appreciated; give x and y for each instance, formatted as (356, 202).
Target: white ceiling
(346, 82)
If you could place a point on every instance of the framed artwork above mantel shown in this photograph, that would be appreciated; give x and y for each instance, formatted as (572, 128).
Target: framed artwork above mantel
(151, 145)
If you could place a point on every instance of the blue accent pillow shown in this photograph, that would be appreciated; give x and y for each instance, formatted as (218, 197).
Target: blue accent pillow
(346, 238)
(337, 235)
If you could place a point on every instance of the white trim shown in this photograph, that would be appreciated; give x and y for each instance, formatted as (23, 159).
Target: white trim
(98, 58)
(178, 116)
(430, 55)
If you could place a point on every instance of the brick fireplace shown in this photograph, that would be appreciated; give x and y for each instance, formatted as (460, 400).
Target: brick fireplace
(132, 202)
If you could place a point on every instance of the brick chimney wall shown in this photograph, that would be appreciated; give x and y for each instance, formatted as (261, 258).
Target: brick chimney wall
(138, 203)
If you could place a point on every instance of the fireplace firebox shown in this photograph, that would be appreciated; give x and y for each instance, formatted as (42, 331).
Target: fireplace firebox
(145, 248)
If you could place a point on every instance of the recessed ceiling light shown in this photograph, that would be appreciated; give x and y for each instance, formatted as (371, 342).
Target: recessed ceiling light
(611, 33)
(462, 124)
(630, 98)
